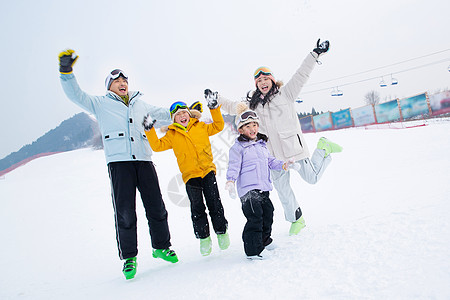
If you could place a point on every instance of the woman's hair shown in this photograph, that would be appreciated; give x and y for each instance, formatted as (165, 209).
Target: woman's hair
(257, 97)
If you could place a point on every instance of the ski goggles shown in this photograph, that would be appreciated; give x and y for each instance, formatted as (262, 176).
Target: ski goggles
(116, 73)
(176, 106)
(248, 115)
(262, 71)
(113, 76)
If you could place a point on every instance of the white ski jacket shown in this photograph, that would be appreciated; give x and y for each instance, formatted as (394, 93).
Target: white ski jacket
(278, 118)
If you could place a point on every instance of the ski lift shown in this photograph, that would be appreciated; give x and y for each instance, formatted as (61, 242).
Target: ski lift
(336, 92)
(383, 83)
(394, 81)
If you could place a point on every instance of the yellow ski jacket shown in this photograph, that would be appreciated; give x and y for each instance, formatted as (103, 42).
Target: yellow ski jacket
(190, 145)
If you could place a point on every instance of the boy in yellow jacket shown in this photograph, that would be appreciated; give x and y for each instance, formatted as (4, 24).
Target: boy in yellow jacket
(189, 139)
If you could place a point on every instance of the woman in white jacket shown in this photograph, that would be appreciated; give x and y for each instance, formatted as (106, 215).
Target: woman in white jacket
(275, 106)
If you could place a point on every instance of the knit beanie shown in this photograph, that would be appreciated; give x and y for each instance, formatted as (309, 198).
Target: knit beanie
(113, 75)
(264, 71)
(245, 115)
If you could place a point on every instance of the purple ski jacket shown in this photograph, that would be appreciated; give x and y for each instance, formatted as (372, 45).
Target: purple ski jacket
(249, 166)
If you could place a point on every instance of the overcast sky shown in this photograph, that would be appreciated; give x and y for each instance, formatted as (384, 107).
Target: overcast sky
(173, 50)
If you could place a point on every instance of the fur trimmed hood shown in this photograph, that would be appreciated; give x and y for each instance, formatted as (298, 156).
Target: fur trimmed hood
(194, 114)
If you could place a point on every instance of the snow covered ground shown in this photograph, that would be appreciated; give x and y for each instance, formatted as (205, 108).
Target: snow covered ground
(377, 228)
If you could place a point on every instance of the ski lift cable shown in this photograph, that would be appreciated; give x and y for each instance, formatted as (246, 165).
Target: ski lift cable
(375, 77)
(375, 69)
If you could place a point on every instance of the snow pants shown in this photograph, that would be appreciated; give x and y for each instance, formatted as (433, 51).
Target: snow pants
(196, 188)
(311, 171)
(125, 177)
(258, 209)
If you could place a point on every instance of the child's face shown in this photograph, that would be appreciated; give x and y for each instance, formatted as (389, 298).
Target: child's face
(182, 118)
(250, 130)
(264, 84)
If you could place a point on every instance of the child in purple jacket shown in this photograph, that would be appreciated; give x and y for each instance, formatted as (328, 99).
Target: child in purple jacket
(249, 166)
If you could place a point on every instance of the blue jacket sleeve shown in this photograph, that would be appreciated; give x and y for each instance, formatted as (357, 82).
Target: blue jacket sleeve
(75, 94)
(159, 113)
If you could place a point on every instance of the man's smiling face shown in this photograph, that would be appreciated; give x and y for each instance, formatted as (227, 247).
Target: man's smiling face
(119, 86)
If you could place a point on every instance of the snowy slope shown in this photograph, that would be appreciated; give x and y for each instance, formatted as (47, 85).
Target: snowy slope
(377, 228)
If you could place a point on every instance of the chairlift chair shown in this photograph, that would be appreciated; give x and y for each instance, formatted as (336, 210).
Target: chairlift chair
(394, 81)
(336, 92)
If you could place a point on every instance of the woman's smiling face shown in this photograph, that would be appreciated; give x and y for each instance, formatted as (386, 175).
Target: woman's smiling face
(264, 84)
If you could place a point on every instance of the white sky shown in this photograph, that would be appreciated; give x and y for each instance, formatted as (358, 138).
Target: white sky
(174, 49)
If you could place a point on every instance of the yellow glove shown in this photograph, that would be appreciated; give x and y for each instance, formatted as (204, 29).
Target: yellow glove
(67, 59)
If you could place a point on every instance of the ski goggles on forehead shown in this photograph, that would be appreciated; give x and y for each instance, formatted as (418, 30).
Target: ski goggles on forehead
(248, 115)
(116, 73)
(176, 106)
(262, 71)
(113, 76)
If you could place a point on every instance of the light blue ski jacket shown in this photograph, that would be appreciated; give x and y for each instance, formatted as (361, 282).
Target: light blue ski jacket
(121, 127)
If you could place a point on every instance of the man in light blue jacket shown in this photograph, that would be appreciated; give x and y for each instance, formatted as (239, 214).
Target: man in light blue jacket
(128, 155)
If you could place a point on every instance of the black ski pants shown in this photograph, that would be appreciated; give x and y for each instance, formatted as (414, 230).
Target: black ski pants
(196, 188)
(258, 209)
(125, 177)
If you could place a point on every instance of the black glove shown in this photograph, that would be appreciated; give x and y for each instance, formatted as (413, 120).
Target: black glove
(211, 98)
(148, 122)
(67, 59)
(322, 47)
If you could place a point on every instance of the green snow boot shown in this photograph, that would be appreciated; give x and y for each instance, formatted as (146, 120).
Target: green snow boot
(328, 146)
(297, 226)
(129, 268)
(224, 240)
(205, 246)
(166, 254)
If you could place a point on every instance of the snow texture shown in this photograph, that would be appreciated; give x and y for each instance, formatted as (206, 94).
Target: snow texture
(377, 227)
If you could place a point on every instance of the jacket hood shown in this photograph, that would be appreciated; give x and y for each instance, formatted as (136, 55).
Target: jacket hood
(195, 116)
(248, 143)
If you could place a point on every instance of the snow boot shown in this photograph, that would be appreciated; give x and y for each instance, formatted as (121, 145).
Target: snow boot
(271, 246)
(297, 226)
(166, 254)
(129, 268)
(255, 257)
(263, 255)
(328, 146)
(205, 246)
(224, 240)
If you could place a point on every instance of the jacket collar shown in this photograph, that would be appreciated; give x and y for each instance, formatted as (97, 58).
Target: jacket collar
(178, 127)
(250, 142)
(132, 94)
